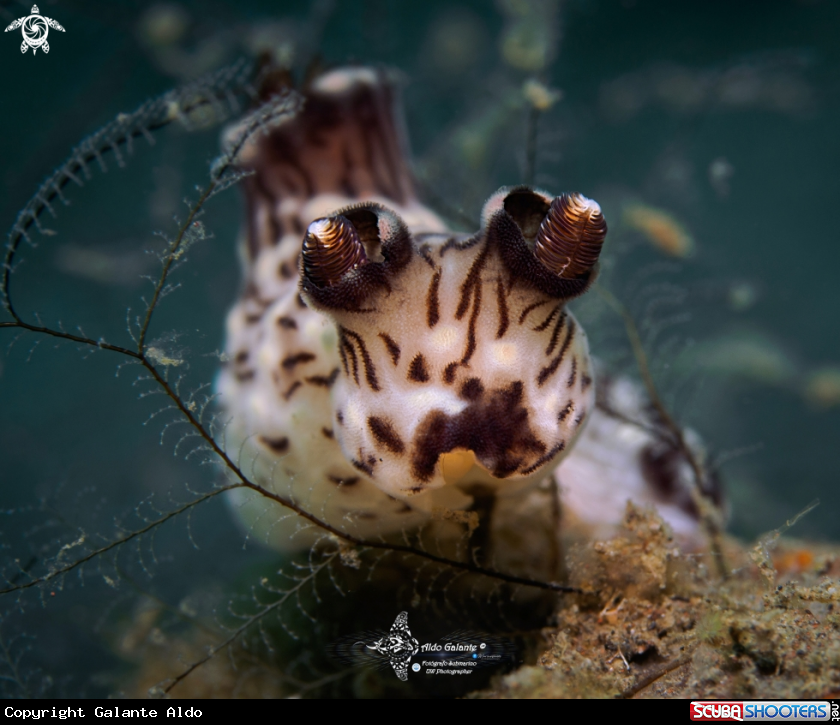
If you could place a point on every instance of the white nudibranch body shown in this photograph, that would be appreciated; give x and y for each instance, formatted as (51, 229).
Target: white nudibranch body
(383, 370)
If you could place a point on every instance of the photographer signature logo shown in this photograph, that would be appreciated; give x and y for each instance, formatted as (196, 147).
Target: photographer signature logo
(35, 28)
(398, 646)
(459, 653)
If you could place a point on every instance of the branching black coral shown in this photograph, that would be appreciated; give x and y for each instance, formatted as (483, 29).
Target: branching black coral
(709, 514)
(205, 102)
(197, 105)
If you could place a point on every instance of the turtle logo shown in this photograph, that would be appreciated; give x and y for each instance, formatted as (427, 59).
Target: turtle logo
(35, 28)
(399, 646)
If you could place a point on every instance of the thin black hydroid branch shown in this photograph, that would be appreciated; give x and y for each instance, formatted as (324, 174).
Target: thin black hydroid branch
(171, 256)
(344, 536)
(12, 664)
(177, 105)
(706, 507)
(249, 622)
(101, 344)
(244, 481)
(280, 107)
(93, 554)
(222, 175)
(176, 612)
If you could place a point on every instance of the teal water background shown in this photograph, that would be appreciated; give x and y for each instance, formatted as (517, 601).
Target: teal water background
(756, 84)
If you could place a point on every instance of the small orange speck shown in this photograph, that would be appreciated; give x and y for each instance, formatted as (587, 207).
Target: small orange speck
(822, 387)
(793, 561)
(660, 228)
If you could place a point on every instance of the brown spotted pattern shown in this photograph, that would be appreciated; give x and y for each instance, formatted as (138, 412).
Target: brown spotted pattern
(348, 393)
(459, 351)
(430, 343)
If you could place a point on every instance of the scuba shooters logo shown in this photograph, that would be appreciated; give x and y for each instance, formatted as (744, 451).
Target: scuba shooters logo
(35, 28)
(758, 710)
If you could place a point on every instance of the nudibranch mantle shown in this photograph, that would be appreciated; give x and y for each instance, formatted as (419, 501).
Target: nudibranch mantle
(382, 368)
(449, 352)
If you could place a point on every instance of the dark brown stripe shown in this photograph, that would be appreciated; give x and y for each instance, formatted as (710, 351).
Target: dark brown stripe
(573, 375)
(547, 321)
(287, 323)
(473, 280)
(363, 467)
(471, 338)
(253, 318)
(298, 359)
(323, 381)
(585, 381)
(555, 334)
(455, 243)
(241, 357)
(352, 481)
(370, 369)
(278, 445)
(432, 305)
(245, 376)
(417, 370)
(530, 308)
(343, 357)
(424, 251)
(551, 368)
(327, 433)
(292, 388)
(345, 346)
(285, 271)
(384, 432)
(565, 412)
(393, 348)
(501, 301)
(449, 373)
(542, 460)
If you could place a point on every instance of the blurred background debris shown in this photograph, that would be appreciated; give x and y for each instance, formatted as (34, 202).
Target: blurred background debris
(709, 140)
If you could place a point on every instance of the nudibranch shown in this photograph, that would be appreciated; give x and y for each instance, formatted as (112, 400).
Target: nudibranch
(382, 368)
(458, 363)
